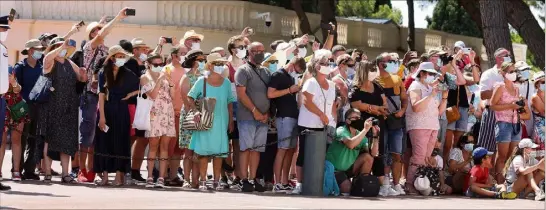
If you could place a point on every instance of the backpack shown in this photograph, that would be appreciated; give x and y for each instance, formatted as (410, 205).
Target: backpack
(365, 185)
(329, 186)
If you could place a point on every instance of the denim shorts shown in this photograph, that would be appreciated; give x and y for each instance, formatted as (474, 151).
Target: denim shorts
(505, 132)
(252, 134)
(393, 144)
(88, 119)
(472, 194)
(462, 123)
(287, 128)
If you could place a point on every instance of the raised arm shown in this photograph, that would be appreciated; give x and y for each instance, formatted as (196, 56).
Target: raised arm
(107, 28)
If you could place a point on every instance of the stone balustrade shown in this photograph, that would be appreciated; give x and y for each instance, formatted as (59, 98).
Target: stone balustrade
(218, 20)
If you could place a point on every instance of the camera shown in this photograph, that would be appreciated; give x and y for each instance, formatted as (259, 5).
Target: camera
(521, 103)
(375, 121)
(446, 59)
(265, 16)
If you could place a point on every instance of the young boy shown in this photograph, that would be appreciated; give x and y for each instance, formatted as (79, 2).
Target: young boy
(480, 184)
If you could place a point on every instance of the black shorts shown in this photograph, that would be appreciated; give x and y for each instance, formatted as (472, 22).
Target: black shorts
(341, 176)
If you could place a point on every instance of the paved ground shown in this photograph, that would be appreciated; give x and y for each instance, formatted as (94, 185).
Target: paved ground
(27, 195)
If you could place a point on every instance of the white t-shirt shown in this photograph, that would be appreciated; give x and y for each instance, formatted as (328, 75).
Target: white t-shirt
(456, 154)
(439, 162)
(307, 118)
(489, 78)
(518, 162)
(4, 74)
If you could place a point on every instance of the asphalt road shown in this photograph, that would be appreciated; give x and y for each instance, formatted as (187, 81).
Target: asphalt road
(37, 195)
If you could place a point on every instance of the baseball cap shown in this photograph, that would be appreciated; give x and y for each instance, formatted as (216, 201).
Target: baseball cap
(459, 44)
(480, 152)
(527, 143)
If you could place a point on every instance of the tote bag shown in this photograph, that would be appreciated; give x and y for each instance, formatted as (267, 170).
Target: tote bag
(142, 113)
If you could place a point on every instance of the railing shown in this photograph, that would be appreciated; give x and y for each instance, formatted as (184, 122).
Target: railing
(232, 16)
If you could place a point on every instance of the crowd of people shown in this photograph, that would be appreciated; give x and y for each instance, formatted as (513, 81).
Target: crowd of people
(435, 123)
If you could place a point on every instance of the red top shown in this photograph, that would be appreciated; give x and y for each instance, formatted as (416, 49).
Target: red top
(231, 72)
(408, 82)
(480, 173)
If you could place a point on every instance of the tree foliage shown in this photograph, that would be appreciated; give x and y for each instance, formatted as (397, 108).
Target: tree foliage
(366, 9)
(448, 16)
(530, 59)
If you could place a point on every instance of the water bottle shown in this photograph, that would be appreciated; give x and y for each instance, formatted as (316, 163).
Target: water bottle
(128, 179)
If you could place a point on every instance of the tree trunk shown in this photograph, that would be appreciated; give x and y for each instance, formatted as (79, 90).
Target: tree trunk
(304, 22)
(473, 9)
(520, 17)
(328, 15)
(495, 28)
(411, 26)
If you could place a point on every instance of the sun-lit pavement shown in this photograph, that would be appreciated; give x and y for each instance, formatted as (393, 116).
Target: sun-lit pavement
(33, 194)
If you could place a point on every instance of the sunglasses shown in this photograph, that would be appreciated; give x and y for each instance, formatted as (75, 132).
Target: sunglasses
(354, 118)
(301, 46)
(351, 65)
(431, 73)
(156, 64)
(199, 60)
(273, 61)
(218, 64)
(240, 47)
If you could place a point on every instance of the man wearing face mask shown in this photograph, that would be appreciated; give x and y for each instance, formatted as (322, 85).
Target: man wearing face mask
(345, 66)
(282, 90)
(27, 73)
(252, 114)
(397, 101)
(192, 40)
(488, 79)
(526, 90)
(140, 50)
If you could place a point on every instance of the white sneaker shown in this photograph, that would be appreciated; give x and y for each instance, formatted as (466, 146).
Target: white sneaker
(297, 189)
(384, 191)
(392, 192)
(540, 196)
(398, 188)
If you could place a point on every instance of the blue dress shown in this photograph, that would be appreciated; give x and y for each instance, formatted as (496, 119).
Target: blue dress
(117, 141)
(214, 140)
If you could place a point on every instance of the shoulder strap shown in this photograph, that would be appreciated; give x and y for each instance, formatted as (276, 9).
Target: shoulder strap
(204, 87)
(458, 92)
(265, 83)
(388, 97)
(93, 59)
(528, 86)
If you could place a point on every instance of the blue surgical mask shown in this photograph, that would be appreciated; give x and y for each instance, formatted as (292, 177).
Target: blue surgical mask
(350, 72)
(272, 67)
(473, 88)
(439, 62)
(507, 59)
(120, 62)
(391, 68)
(201, 65)
(469, 147)
(62, 53)
(218, 69)
(142, 57)
(37, 55)
(542, 86)
(525, 74)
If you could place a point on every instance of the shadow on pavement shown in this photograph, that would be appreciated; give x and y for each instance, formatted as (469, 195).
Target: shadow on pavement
(7, 207)
(12, 192)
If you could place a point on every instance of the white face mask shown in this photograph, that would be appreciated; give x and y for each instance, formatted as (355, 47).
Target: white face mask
(325, 70)
(469, 147)
(511, 77)
(302, 52)
(142, 57)
(157, 69)
(241, 53)
(507, 59)
(3, 36)
(373, 75)
(62, 53)
(542, 86)
(533, 154)
(182, 59)
(429, 79)
(218, 69)
(120, 62)
(195, 46)
(525, 74)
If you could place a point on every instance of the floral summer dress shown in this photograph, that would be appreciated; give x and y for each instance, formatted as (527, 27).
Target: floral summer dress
(162, 113)
(185, 135)
(539, 130)
(12, 99)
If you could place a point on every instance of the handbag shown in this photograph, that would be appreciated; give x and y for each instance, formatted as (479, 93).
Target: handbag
(393, 122)
(18, 110)
(365, 185)
(142, 113)
(42, 89)
(205, 108)
(452, 113)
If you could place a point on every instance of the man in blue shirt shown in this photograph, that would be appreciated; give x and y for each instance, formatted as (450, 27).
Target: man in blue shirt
(27, 73)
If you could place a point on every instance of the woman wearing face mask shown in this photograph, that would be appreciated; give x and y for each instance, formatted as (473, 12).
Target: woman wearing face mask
(195, 61)
(507, 127)
(537, 103)
(459, 161)
(345, 64)
(159, 87)
(214, 140)
(524, 171)
(59, 116)
(271, 63)
(422, 118)
(116, 85)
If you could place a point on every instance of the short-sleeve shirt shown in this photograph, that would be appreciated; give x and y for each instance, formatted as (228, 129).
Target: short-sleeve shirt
(287, 105)
(320, 96)
(439, 162)
(375, 98)
(518, 162)
(480, 173)
(489, 78)
(456, 154)
(255, 79)
(27, 76)
(427, 118)
(339, 154)
(88, 54)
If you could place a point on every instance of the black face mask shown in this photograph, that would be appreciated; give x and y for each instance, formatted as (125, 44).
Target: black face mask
(435, 152)
(357, 124)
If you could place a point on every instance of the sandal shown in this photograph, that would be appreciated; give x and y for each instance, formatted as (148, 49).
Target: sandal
(150, 183)
(100, 182)
(160, 183)
(47, 178)
(186, 185)
(68, 179)
(203, 185)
